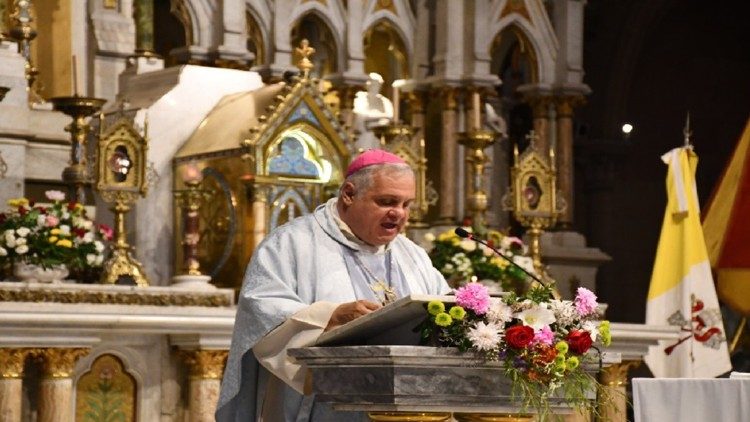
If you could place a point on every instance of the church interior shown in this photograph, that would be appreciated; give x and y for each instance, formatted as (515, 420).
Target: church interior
(195, 127)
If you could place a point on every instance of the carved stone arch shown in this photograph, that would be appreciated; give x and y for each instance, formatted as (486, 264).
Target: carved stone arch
(336, 50)
(544, 47)
(200, 14)
(131, 364)
(383, 44)
(404, 23)
(335, 20)
(258, 13)
(502, 44)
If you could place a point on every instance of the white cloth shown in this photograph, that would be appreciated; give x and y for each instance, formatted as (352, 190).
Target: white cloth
(304, 262)
(691, 400)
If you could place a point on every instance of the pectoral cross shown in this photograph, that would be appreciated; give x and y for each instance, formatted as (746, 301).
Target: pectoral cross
(389, 295)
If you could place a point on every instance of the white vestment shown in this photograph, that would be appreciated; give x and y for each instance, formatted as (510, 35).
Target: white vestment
(296, 278)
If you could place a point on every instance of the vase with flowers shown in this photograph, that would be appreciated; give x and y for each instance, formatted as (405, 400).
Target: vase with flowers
(44, 242)
(544, 344)
(462, 260)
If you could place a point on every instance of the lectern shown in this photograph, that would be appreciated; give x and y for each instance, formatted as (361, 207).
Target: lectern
(353, 368)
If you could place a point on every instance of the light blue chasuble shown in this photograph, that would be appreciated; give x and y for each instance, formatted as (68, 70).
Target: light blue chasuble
(312, 258)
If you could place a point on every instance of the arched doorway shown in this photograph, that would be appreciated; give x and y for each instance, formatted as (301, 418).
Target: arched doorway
(314, 29)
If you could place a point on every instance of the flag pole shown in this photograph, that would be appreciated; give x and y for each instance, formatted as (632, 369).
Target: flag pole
(687, 133)
(738, 335)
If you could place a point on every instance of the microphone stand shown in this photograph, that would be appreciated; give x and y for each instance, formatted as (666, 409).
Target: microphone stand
(462, 233)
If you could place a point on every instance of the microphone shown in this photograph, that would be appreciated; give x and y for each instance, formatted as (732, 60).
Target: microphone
(461, 232)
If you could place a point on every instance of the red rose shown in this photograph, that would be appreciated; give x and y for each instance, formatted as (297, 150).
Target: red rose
(519, 336)
(579, 341)
(71, 205)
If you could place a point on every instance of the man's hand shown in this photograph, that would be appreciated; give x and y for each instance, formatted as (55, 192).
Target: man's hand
(350, 311)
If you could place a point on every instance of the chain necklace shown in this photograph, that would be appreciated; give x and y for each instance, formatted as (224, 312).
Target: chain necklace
(381, 288)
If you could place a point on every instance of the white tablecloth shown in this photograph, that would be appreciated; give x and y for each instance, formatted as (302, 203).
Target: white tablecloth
(691, 400)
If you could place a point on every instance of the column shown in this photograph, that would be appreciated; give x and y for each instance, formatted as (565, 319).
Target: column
(144, 27)
(260, 214)
(11, 383)
(564, 153)
(206, 370)
(56, 395)
(416, 108)
(448, 152)
(613, 404)
(540, 110)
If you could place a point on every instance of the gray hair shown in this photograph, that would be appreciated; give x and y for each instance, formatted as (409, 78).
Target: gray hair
(362, 179)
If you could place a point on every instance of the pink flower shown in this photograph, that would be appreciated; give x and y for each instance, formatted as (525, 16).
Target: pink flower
(51, 221)
(55, 195)
(544, 336)
(106, 231)
(585, 301)
(473, 296)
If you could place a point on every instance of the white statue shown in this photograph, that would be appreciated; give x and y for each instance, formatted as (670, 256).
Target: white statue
(371, 109)
(494, 121)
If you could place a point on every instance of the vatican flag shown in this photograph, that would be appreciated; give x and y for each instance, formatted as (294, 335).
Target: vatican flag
(682, 291)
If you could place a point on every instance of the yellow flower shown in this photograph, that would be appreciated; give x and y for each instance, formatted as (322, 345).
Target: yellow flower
(572, 363)
(499, 262)
(457, 312)
(562, 347)
(65, 243)
(435, 307)
(17, 202)
(55, 231)
(53, 239)
(442, 319)
(79, 207)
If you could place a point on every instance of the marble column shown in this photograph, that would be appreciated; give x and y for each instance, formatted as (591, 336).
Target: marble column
(206, 370)
(448, 153)
(260, 214)
(144, 26)
(564, 153)
(613, 404)
(56, 389)
(11, 383)
(416, 106)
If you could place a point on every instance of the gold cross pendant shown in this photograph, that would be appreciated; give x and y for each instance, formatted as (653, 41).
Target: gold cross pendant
(389, 295)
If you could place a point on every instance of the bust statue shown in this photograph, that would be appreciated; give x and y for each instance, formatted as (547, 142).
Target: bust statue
(371, 109)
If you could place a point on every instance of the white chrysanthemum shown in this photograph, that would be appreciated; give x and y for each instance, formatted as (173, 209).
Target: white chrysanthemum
(499, 312)
(23, 231)
(537, 317)
(20, 241)
(99, 260)
(468, 245)
(3, 252)
(65, 230)
(88, 237)
(485, 336)
(41, 220)
(65, 215)
(592, 327)
(9, 232)
(430, 237)
(90, 258)
(87, 224)
(525, 262)
(99, 246)
(564, 310)
(10, 240)
(22, 249)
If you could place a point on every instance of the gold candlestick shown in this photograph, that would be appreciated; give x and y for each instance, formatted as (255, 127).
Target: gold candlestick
(190, 201)
(24, 33)
(79, 108)
(476, 141)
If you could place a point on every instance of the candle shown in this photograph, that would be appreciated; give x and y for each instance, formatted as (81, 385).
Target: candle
(476, 102)
(395, 102)
(75, 76)
(192, 173)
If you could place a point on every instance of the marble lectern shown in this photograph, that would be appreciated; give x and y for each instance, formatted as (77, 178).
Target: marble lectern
(408, 382)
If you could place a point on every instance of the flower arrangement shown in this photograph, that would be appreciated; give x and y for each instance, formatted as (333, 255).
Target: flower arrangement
(51, 235)
(542, 342)
(464, 259)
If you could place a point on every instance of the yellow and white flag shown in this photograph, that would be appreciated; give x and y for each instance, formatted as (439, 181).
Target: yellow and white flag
(682, 290)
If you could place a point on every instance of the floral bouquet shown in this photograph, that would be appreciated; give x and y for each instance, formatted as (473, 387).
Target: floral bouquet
(51, 235)
(542, 342)
(464, 259)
